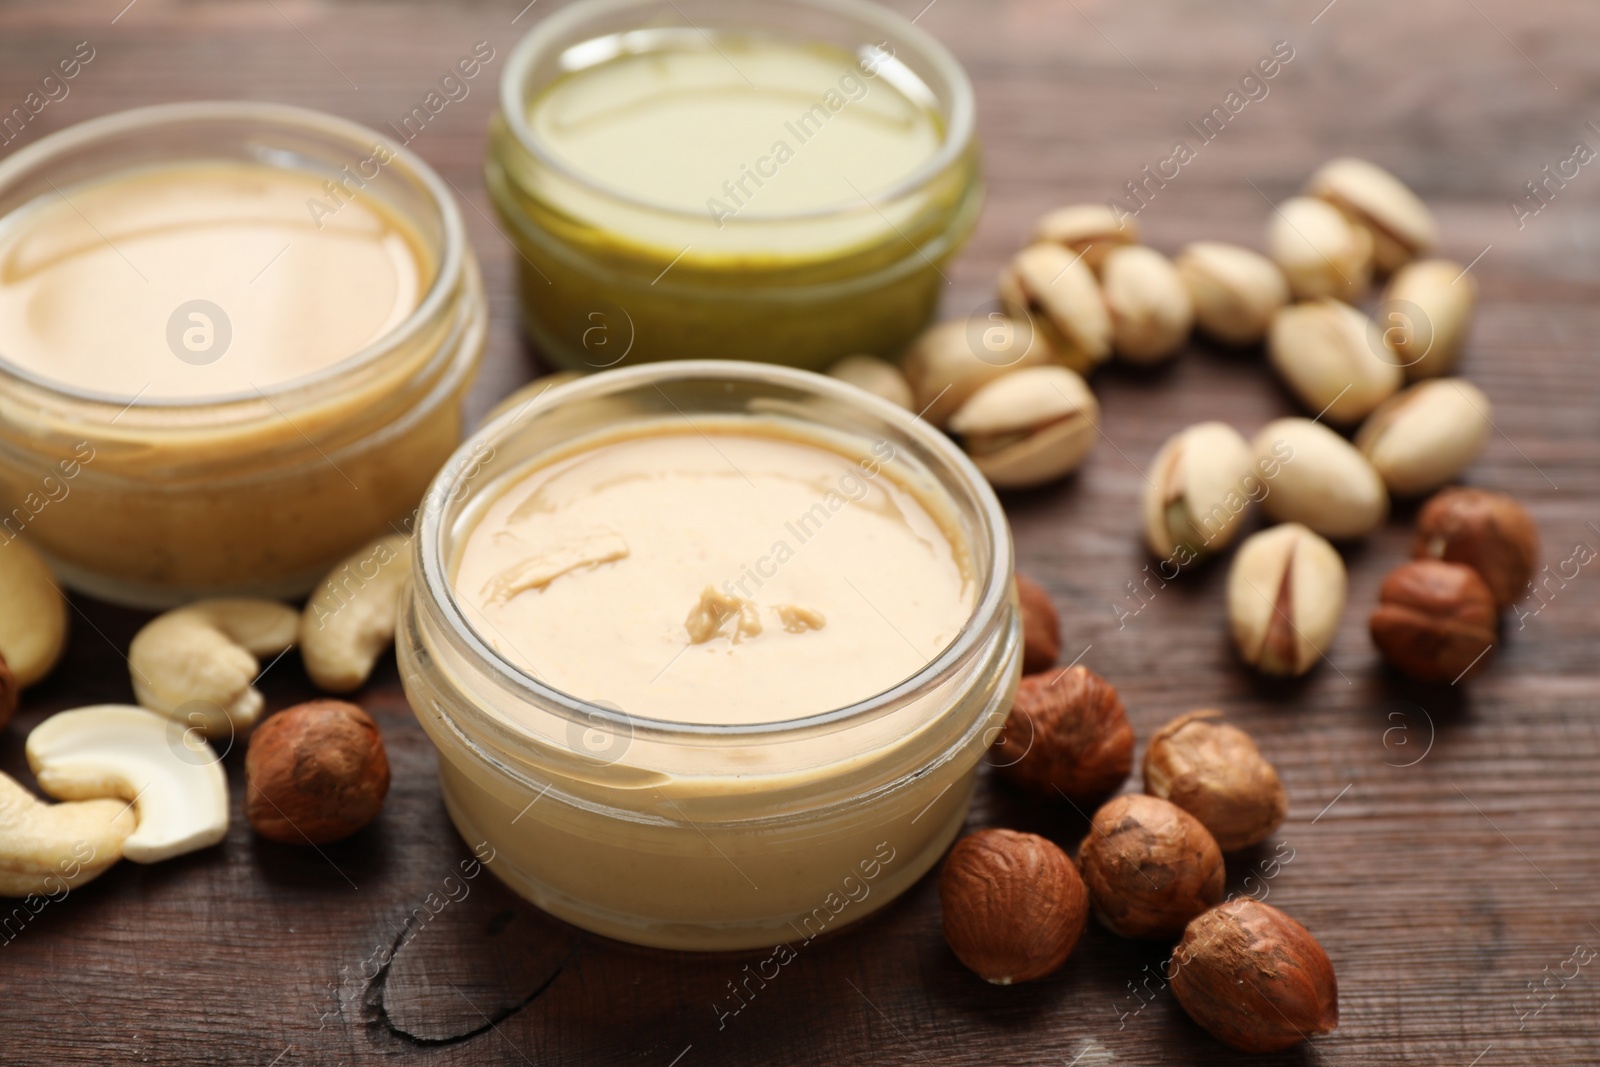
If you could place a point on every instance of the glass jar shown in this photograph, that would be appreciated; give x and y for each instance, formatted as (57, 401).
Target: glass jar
(156, 501)
(607, 275)
(693, 836)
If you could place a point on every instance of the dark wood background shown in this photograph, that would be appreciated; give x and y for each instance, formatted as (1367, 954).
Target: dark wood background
(1444, 841)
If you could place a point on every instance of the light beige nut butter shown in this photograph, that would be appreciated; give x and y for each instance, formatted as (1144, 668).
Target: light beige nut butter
(710, 650)
(90, 281)
(234, 343)
(718, 576)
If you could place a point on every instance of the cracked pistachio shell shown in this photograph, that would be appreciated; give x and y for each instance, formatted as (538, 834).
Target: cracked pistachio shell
(1235, 291)
(1092, 229)
(1198, 491)
(1322, 253)
(1286, 591)
(1427, 435)
(1333, 358)
(1151, 313)
(1425, 314)
(877, 376)
(951, 361)
(1315, 477)
(1402, 226)
(1055, 290)
(1030, 427)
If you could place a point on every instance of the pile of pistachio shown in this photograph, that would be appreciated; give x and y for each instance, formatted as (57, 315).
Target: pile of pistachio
(1012, 387)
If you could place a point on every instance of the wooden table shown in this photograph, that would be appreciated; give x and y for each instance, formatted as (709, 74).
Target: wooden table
(1444, 842)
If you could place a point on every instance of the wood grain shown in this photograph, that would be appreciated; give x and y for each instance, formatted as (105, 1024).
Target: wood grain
(1444, 842)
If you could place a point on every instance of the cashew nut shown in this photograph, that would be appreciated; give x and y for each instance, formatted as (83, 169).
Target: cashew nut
(45, 848)
(198, 663)
(33, 613)
(350, 619)
(174, 783)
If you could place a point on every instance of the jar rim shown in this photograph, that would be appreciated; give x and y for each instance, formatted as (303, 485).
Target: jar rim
(960, 122)
(446, 280)
(430, 569)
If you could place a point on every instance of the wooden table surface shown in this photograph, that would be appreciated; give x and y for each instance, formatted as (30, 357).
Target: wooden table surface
(1441, 842)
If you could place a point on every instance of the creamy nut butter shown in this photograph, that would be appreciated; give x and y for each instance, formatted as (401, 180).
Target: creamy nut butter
(234, 341)
(91, 278)
(720, 576)
(703, 643)
(744, 180)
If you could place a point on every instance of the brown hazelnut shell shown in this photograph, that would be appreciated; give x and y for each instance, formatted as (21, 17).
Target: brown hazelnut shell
(316, 773)
(1489, 532)
(1041, 627)
(1434, 620)
(1150, 867)
(1216, 773)
(10, 693)
(1254, 978)
(1014, 905)
(1067, 735)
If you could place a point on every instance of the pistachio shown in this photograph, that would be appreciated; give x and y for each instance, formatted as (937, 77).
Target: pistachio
(1320, 480)
(1151, 313)
(877, 376)
(1334, 359)
(1427, 435)
(1030, 427)
(1286, 591)
(1402, 227)
(1235, 291)
(953, 360)
(1090, 229)
(1322, 252)
(1055, 290)
(1198, 491)
(1425, 314)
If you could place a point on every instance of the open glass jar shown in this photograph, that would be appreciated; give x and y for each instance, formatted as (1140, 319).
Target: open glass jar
(687, 835)
(155, 490)
(681, 181)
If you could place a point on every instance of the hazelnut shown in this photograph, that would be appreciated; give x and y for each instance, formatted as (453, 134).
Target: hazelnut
(1068, 732)
(9, 693)
(1489, 532)
(315, 773)
(1150, 867)
(1435, 620)
(1254, 978)
(1041, 627)
(1215, 772)
(1014, 906)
